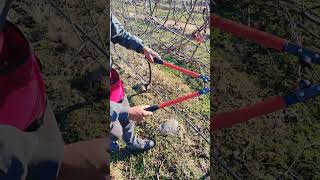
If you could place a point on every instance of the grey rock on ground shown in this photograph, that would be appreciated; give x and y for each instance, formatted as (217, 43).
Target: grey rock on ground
(170, 126)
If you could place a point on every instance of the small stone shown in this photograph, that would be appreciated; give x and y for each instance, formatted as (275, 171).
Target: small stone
(139, 88)
(170, 126)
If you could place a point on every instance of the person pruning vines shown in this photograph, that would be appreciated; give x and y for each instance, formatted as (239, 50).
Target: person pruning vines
(124, 117)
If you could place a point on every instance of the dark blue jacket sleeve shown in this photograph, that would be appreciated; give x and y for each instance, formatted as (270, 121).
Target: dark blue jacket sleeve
(120, 36)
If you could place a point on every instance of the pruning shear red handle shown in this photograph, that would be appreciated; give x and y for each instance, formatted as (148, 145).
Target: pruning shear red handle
(182, 98)
(246, 113)
(178, 100)
(183, 70)
(265, 107)
(243, 31)
(263, 38)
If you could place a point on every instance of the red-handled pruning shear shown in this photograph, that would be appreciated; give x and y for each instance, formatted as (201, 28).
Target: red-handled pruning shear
(306, 57)
(185, 71)
(204, 78)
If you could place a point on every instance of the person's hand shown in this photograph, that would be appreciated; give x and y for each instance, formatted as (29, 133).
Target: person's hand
(137, 113)
(150, 54)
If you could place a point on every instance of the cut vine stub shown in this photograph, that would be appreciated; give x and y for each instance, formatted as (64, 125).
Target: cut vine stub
(169, 127)
(140, 87)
